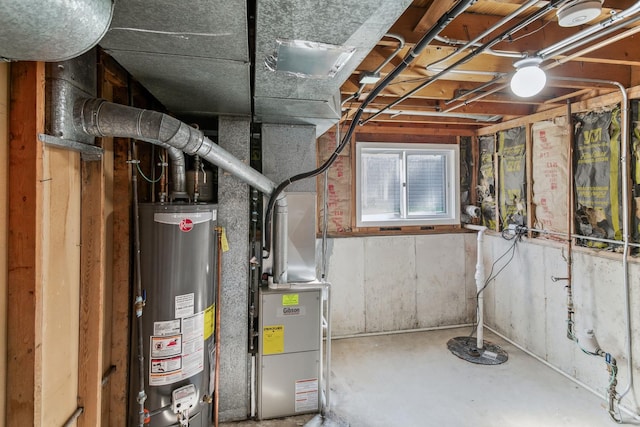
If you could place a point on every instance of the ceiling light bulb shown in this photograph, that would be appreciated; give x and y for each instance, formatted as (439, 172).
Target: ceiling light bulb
(529, 78)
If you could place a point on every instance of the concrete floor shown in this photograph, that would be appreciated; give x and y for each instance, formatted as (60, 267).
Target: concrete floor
(412, 380)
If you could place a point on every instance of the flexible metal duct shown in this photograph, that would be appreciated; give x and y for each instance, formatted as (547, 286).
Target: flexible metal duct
(97, 117)
(42, 30)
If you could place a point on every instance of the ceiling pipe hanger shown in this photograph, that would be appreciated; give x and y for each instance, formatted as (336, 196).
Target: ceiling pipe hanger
(501, 37)
(572, 42)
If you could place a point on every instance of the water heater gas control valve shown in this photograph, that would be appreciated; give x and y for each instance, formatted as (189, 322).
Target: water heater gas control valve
(184, 399)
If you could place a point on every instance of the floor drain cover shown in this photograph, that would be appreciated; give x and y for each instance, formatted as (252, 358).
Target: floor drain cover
(465, 348)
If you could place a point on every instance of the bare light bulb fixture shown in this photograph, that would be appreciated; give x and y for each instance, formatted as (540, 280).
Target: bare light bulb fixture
(529, 78)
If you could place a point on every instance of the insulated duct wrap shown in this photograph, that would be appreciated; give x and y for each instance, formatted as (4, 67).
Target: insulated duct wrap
(44, 30)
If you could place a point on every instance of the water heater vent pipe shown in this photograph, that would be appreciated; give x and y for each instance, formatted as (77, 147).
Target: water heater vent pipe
(97, 117)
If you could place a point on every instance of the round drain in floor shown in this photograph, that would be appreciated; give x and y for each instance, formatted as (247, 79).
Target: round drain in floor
(465, 348)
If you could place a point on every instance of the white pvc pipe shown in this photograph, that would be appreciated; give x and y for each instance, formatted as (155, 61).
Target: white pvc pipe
(479, 276)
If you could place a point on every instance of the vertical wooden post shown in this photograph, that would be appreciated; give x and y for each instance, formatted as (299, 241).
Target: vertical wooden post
(121, 282)
(496, 179)
(531, 209)
(92, 267)
(475, 169)
(113, 86)
(24, 308)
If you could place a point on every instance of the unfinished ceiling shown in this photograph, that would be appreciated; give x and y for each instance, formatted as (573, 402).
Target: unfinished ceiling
(441, 64)
(195, 56)
(471, 88)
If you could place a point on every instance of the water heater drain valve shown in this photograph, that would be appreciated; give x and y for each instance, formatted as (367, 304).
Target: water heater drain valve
(183, 400)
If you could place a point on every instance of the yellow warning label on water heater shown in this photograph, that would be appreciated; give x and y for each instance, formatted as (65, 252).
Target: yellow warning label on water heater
(290, 299)
(209, 321)
(273, 339)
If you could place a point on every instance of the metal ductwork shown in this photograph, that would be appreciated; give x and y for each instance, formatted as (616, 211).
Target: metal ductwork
(41, 30)
(97, 117)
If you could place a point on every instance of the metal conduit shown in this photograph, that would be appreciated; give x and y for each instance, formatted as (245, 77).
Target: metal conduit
(624, 147)
(501, 37)
(546, 67)
(563, 46)
(466, 43)
(476, 41)
(578, 236)
(401, 43)
(571, 40)
(590, 34)
(588, 38)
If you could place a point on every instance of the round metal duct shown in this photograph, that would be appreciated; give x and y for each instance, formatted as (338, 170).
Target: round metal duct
(44, 30)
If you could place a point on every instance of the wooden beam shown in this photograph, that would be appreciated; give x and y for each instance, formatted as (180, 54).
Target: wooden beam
(417, 129)
(576, 107)
(25, 287)
(432, 14)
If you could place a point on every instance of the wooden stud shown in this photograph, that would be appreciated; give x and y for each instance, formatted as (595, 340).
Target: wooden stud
(475, 170)
(24, 299)
(529, 177)
(121, 302)
(92, 283)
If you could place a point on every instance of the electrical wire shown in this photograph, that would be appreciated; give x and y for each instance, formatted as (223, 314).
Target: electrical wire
(149, 180)
(417, 49)
(512, 249)
(529, 33)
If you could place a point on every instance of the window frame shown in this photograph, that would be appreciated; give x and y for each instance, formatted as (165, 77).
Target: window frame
(452, 183)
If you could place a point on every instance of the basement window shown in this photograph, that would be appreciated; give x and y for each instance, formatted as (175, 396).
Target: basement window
(407, 184)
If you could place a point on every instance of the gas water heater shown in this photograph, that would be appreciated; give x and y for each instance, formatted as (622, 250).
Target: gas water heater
(178, 275)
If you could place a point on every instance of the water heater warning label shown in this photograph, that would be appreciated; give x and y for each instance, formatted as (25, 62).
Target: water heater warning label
(166, 346)
(161, 366)
(184, 305)
(179, 356)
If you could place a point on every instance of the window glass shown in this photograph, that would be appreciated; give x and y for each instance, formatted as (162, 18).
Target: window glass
(381, 184)
(426, 184)
(407, 184)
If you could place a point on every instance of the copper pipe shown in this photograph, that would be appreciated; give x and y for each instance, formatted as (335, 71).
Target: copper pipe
(216, 395)
(570, 207)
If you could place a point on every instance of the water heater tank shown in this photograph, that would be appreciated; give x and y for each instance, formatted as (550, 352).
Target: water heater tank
(178, 275)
